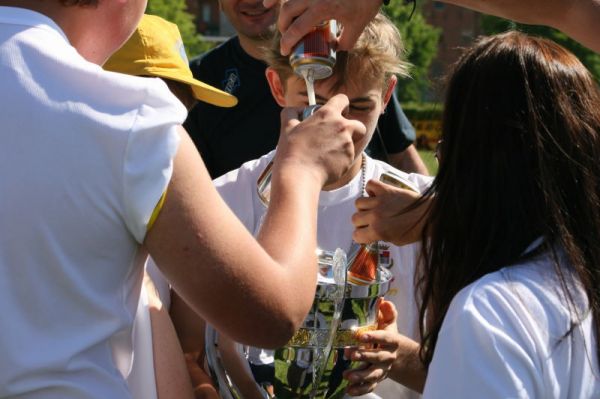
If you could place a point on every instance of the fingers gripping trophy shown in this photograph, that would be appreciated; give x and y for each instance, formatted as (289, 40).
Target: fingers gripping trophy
(348, 292)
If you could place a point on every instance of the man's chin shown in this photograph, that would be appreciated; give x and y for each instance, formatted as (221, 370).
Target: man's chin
(264, 35)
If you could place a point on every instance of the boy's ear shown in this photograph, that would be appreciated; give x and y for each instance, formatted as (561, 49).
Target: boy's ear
(276, 85)
(390, 90)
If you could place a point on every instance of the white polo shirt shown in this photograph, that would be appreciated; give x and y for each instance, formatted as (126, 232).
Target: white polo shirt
(85, 156)
(505, 336)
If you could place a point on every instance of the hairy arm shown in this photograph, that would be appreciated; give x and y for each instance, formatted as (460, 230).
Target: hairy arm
(577, 18)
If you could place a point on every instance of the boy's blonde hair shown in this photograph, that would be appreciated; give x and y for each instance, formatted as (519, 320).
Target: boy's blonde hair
(377, 55)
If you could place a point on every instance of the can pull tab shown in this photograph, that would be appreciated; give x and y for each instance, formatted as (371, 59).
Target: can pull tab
(308, 111)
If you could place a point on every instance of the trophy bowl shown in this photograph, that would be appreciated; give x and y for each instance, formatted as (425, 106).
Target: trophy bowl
(312, 363)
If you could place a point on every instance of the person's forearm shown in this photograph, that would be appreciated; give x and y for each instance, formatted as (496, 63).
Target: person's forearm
(292, 215)
(544, 12)
(203, 386)
(236, 370)
(408, 161)
(577, 18)
(408, 369)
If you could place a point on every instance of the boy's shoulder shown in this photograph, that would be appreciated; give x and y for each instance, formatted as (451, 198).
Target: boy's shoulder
(248, 172)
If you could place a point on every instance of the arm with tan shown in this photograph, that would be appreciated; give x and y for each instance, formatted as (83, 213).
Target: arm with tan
(258, 294)
(577, 18)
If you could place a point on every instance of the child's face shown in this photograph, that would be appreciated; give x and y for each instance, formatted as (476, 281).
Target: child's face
(366, 102)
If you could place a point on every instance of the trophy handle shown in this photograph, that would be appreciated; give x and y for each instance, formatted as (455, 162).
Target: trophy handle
(227, 388)
(340, 280)
(216, 369)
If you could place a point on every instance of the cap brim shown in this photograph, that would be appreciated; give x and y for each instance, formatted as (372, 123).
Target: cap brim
(202, 91)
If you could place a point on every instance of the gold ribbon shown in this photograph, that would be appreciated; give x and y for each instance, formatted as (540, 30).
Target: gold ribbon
(307, 337)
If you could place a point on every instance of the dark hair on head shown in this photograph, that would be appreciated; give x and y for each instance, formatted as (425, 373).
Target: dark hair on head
(520, 159)
(79, 2)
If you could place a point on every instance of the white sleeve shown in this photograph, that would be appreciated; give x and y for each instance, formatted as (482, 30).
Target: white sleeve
(484, 350)
(148, 166)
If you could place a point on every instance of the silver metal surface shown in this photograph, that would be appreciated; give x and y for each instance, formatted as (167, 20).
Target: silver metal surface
(312, 363)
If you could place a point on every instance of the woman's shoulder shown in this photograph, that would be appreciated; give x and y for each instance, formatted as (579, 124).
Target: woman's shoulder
(529, 295)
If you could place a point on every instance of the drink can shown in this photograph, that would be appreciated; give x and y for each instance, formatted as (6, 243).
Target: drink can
(316, 51)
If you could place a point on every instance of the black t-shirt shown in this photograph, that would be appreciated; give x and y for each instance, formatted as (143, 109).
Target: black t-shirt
(394, 132)
(228, 137)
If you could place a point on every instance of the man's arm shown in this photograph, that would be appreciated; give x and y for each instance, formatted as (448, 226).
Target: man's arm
(396, 135)
(577, 18)
(257, 295)
(408, 161)
(298, 17)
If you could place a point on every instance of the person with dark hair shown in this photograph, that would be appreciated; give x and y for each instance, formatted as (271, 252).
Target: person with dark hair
(511, 268)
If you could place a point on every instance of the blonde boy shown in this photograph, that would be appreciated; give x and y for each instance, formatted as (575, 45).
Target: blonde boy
(367, 75)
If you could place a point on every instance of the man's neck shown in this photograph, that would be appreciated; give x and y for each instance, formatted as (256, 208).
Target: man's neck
(354, 170)
(253, 47)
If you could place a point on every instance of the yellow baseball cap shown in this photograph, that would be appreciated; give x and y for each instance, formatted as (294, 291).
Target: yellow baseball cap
(156, 49)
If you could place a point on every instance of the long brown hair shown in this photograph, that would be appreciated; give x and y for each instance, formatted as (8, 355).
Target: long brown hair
(519, 159)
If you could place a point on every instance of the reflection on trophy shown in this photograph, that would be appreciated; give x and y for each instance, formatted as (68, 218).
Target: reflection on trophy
(312, 363)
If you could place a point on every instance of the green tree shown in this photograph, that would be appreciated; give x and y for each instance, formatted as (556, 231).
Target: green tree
(590, 59)
(176, 11)
(421, 42)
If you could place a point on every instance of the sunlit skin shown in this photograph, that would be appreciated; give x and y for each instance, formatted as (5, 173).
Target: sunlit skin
(368, 99)
(250, 18)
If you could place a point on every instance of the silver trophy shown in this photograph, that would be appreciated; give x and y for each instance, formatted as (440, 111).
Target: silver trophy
(312, 363)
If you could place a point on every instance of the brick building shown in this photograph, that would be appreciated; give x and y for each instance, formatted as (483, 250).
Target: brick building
(459, 27)
(209, 19)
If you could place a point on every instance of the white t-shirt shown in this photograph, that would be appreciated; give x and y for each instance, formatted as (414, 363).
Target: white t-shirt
(334, 230)
(501, 338)
(85, 156)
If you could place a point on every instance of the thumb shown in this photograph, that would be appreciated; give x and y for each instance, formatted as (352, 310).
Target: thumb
(289, 118)
(375, 188)
(387, 315)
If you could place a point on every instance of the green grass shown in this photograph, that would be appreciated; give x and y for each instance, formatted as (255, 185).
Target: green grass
(429, 160)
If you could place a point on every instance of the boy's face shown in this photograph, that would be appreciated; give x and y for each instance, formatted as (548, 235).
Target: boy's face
(367, 99)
